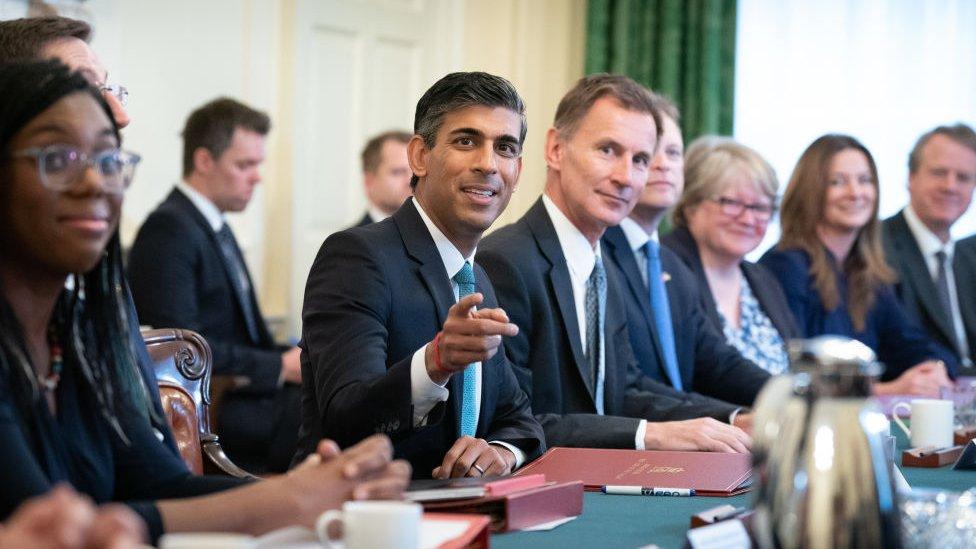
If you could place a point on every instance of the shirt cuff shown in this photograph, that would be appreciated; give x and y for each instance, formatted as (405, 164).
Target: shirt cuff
(641, 433)
(733, 415)
(424, 393)
(519, 454)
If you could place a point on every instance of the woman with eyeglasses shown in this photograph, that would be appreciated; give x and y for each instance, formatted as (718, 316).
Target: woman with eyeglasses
(831, 265)
(73, 406)
(728, 200)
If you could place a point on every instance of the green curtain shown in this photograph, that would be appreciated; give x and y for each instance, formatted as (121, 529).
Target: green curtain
(683, 49)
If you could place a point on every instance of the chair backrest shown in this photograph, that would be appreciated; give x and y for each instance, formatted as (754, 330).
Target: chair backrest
(182, 361)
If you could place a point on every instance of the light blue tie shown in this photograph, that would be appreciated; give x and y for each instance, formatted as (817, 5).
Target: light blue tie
(662, 312)
(469, 415)
(595, 303)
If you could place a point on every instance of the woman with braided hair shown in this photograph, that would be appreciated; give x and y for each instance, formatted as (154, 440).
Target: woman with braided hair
(73, 406)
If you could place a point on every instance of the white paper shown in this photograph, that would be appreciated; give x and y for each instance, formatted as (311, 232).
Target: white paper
(900, 483)
(728, 534)
(548, 525)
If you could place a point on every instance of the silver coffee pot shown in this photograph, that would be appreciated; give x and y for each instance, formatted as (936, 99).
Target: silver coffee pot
(822, 477)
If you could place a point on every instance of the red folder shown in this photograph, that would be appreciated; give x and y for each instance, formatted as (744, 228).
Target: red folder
(518, 510)
(708, 473)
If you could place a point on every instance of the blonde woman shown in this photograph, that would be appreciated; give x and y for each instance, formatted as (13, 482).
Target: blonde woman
(728, 201)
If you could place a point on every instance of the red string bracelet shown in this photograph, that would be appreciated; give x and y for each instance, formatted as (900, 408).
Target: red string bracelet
(437, 354)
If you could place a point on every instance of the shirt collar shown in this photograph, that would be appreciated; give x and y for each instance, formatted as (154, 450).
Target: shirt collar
(376, 214)
(450, 255)
(207, 209)
(636, 236)
(580, 255)
(928, 243)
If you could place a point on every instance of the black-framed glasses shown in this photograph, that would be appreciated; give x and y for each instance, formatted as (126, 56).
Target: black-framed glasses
(118, 91)
(61, 166)
(734, 208)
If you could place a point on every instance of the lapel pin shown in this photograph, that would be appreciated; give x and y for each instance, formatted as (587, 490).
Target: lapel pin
(666, 276)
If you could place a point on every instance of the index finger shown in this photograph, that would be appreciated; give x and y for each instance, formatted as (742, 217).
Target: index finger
(464, 305)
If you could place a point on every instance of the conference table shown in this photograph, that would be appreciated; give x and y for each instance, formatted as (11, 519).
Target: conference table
(636, 521)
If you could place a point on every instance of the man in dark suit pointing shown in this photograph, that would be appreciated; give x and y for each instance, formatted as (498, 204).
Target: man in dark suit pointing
(187, 271)
(401, 331)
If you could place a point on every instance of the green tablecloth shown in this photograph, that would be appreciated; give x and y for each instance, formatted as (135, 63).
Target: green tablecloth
(635, 521)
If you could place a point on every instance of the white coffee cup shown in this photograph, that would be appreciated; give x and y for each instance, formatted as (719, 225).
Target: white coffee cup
(368, 524)
(932, 422)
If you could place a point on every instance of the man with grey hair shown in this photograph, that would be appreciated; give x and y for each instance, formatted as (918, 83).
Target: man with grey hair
(401, 333)
(935, 272)
(572, 352)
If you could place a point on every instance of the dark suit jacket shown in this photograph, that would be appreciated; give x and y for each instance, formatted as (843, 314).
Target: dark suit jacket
(529, 271)
(916, 289)
(375, 295)
(707, 363)
(179, 279)
(897, 340)
(364, 220)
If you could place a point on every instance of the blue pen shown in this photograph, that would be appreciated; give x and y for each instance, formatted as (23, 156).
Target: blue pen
(647, 491)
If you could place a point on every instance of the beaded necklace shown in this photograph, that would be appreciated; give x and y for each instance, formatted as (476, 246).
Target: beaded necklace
(51, 380)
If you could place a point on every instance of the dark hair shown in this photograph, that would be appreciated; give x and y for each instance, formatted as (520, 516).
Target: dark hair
(457, 91)
(629, 94)
(371, 152)
(960, 133)
(803, 210)
(94, 330)
(212, 127)
(24, 39)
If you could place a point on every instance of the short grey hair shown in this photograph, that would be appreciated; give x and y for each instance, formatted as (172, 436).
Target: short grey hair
(708, 160)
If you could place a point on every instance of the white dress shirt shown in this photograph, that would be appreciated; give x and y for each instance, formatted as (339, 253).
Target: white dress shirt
(376, 214)
(580, 259)
(207, 209)
(425, 393)
(930, 244)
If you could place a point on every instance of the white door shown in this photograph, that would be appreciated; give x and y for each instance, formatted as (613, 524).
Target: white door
(360, 66)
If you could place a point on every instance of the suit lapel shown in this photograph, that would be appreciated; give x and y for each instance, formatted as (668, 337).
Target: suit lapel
(964, 268)
(420, 246)
(562, 287)
(913, 263)
(489, 385)
(184, 203)
(619, 250)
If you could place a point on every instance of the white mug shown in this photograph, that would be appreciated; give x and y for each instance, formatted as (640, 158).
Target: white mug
(368, 524)
(932, 422)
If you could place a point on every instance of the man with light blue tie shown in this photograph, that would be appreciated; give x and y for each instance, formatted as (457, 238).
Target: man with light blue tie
(572, 353)
(401, 331)
(663, 294)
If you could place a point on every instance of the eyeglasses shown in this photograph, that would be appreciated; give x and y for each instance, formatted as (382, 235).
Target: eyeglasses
(734, 208)
(61, 166)
(119, 92)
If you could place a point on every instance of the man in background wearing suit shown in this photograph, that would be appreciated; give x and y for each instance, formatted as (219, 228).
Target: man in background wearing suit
(572, 353)
(386, 175)
(935, 273)
(400, 328)
(672, 337)
(187, 271)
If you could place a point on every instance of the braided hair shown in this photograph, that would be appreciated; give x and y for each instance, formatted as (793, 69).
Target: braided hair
(91, 312)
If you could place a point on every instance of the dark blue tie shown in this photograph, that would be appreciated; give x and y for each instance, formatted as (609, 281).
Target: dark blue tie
(469, 415)
(241, 282)
(662, 313)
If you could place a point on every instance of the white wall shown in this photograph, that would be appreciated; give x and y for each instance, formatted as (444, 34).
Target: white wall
(884, 71)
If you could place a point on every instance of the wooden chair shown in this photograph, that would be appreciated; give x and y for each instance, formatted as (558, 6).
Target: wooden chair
(182, 362)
